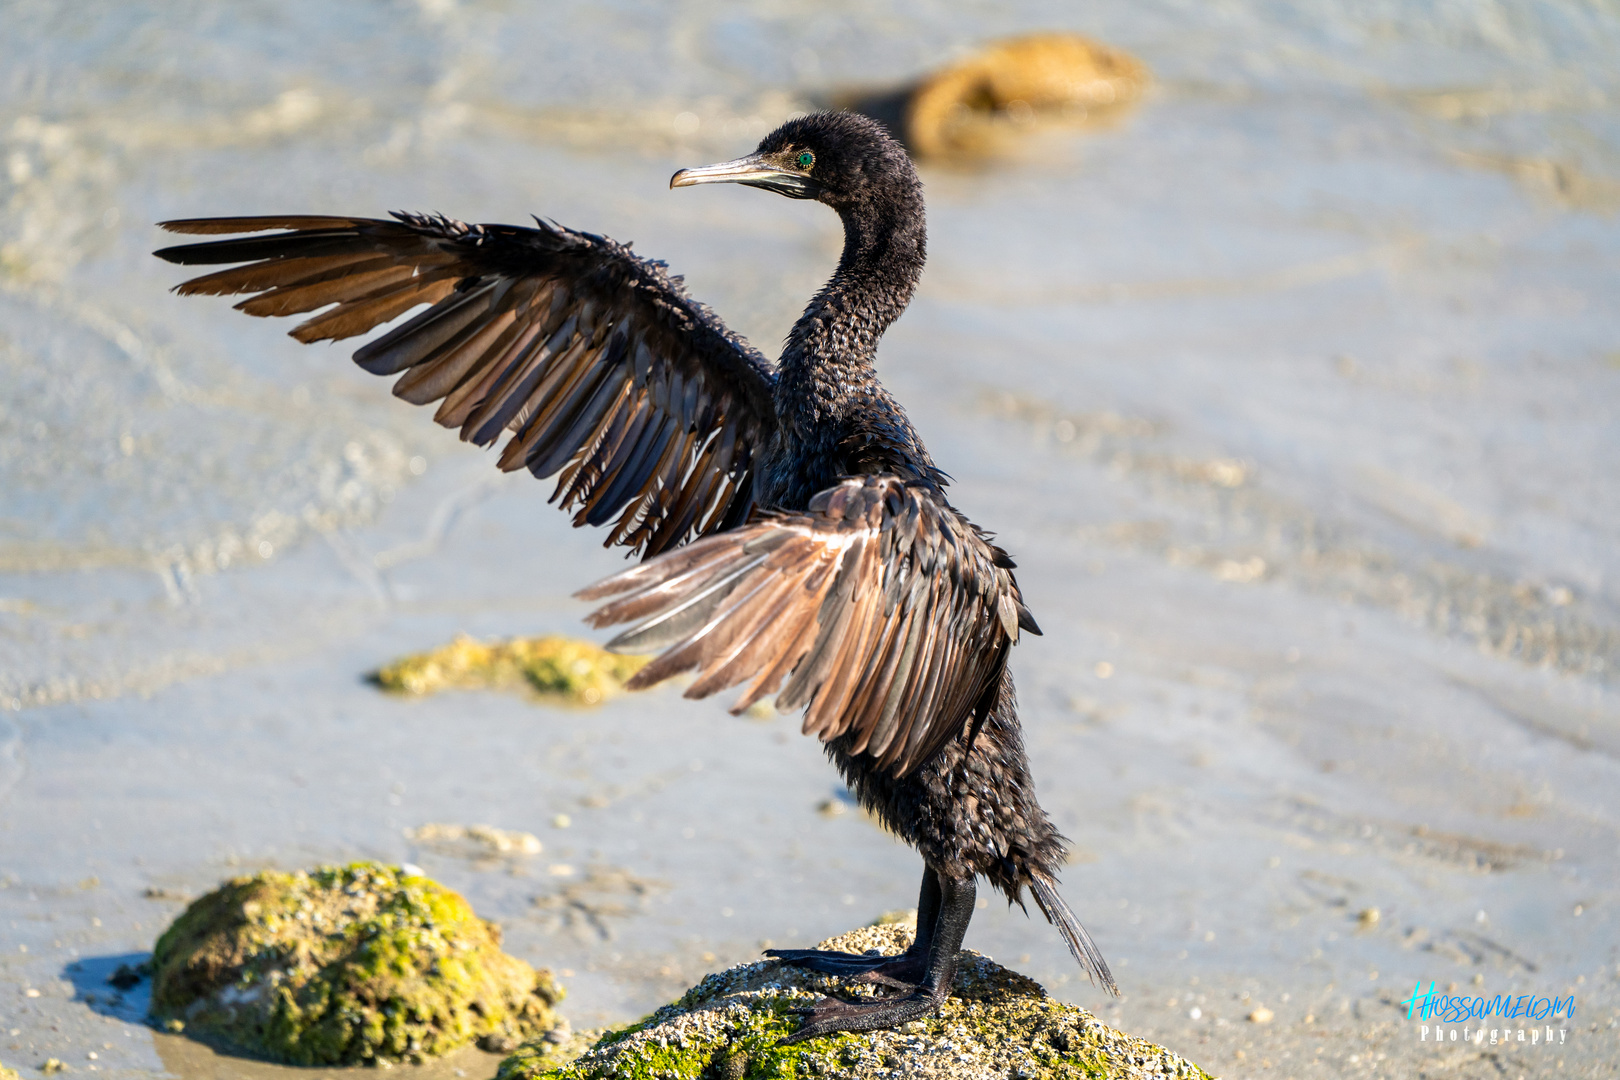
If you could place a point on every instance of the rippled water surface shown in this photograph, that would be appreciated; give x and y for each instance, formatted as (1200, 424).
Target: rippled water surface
(1294, 393)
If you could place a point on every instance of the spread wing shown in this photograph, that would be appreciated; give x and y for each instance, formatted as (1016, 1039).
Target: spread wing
(881, 607)
(594, 359)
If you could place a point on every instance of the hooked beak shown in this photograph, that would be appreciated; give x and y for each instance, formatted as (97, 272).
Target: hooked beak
(754, 171)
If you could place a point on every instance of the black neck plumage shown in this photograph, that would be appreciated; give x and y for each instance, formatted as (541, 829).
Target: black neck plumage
(831, 349)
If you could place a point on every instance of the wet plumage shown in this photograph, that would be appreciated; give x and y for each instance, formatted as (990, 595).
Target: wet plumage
(797, 537)
(565, 340)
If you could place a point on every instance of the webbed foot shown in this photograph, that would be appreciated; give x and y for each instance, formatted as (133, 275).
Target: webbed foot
(921, 975)
(829, 962)
(831, 1015)
(904, 971)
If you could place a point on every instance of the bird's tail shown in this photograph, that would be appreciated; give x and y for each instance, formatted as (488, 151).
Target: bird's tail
(1080, 944)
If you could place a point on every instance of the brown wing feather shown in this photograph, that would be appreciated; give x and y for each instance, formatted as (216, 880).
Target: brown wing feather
(218, 226)
(596, 361)
(880, 608)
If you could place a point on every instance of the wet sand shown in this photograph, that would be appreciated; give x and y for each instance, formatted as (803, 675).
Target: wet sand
(1293, 395)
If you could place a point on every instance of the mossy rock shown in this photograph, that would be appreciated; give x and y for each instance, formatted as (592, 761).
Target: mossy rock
(996, 1025)
(7, 1072)
(344, 965)
(560, 668)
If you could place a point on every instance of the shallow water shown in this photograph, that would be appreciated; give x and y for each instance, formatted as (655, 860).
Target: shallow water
(1293, 394)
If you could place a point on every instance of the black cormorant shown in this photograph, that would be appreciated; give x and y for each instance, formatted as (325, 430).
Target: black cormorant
(796, 533)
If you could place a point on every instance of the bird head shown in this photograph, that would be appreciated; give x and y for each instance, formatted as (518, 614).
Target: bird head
(842, 159)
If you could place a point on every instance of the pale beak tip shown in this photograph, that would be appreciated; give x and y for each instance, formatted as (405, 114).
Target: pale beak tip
(680, 179)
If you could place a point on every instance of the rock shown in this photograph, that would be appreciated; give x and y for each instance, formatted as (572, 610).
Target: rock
(559, 668)
(968, 108)
(478, 839)
(343, 965)
(7, 1072)
(996, 1024)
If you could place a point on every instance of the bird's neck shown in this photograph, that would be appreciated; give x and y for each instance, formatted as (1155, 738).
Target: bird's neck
(831, 348)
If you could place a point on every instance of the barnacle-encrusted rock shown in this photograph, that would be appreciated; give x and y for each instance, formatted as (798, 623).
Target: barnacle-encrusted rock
(344, 965)
(997, 1024)
(556, 667)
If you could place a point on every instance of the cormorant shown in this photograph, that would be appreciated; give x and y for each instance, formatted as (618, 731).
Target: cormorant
(796, 533)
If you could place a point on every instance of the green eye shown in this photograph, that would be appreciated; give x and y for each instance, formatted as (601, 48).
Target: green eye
(806, 160)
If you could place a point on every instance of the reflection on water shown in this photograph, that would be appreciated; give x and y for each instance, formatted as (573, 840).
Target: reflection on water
(1290, 394)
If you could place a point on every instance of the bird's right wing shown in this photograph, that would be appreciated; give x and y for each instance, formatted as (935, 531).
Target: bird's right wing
(596, 360)
(885, 611)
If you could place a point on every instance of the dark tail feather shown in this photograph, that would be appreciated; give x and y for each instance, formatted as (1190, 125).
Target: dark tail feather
(1080, 944)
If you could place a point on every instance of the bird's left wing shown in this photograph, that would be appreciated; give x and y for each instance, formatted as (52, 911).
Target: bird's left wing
(596, 360)
(882, 608)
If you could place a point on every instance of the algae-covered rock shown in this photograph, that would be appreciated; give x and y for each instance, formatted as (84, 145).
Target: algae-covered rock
(556, 667)
(996, 1024)
(344, 965)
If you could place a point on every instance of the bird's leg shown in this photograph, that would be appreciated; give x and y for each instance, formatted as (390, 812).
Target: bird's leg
(835, 1014)
(904, 970)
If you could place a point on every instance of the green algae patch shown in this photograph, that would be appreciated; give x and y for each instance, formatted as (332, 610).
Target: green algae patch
(559, 668)
(996, 1024)
(344, 965)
